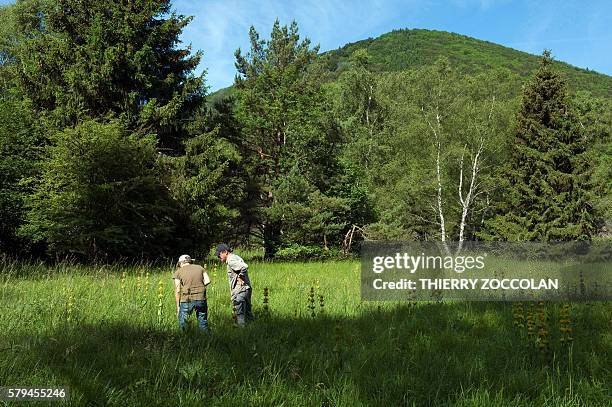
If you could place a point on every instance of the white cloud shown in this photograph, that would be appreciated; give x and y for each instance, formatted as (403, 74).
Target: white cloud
(481, 4)
(221, 26)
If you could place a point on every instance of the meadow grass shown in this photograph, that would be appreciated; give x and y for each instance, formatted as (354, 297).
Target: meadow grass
(98, 330)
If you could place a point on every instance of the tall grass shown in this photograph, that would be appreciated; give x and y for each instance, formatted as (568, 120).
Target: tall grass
(75, 325)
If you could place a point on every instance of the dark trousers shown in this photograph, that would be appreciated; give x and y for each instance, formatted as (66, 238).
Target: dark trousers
(242, 307)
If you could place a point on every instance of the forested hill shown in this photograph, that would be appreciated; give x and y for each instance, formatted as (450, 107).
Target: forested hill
(404, 49)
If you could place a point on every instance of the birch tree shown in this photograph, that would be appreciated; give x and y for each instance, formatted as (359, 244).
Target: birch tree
(446, 130)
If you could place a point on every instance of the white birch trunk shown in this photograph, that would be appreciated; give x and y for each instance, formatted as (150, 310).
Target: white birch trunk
(469, 198)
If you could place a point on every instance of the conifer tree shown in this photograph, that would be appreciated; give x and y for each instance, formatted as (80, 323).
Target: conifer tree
(78, 60)
(113, 92)
(278, 108)
(546, 188)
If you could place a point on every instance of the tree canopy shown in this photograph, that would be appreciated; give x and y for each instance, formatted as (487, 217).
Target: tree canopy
(111, 148)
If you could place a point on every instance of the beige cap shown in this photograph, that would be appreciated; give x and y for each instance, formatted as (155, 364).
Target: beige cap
(185, 258)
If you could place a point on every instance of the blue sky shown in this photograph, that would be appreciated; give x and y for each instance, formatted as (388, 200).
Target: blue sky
(578, 32)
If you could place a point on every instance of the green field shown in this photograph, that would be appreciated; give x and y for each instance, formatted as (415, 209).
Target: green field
(100, 333)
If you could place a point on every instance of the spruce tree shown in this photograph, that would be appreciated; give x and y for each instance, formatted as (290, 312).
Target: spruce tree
(113, 92)
(19, 154)
(546, 189)
(20, 140)
(78, 60)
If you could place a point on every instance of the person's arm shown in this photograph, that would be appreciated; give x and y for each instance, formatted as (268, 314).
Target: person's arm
(177, 293)
(205, 277)
(238, 266)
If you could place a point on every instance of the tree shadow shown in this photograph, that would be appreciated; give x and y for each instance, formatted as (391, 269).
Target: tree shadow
(423, 354)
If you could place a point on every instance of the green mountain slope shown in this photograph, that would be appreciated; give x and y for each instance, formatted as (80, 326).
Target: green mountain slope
(404, 49)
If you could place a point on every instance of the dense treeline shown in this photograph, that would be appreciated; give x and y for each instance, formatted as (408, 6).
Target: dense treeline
(108, 147)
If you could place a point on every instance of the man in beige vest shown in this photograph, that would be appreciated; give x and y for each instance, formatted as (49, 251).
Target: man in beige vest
(190, 281)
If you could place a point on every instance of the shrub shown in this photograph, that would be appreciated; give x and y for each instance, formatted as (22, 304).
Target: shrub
(299, 252)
